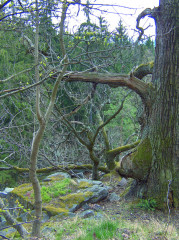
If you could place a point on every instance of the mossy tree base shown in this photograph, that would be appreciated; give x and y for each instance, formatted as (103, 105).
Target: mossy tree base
(137, 163)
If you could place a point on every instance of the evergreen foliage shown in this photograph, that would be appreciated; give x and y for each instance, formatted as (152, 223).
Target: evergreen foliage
(92, 47)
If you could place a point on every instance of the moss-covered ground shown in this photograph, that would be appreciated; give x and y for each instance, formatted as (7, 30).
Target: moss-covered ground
(125, 219)
(58, 195)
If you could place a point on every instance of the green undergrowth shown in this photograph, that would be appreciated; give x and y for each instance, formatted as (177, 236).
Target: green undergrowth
(147, 204)
(55, 189)
(103, 230)
(49, 190)
(89, 230)
(109, 228)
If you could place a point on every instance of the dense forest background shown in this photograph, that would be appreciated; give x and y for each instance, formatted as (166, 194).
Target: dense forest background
(92, 47)
(88, 94)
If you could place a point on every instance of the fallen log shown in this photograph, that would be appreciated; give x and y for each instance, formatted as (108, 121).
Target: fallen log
(57, 168)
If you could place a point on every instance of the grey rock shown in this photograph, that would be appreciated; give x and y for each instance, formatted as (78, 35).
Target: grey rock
(77, 174)
(97, 207)
(109, 188)
(87, 214)
(93, 182)
(70, 214)
(99, 216)
(2, 218)
(122, 183)
(57, 174)
(80, 175)
(25, 217)
(86, 207)
(3, 224)
(7, 231)
(114, 197)
(99, 193)
(75, 207)
(6, 191)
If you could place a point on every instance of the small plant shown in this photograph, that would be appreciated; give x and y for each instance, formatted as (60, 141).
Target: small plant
(147, 204)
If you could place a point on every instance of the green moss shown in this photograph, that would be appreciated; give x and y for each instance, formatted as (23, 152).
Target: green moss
(21, 169)
(84, 184)
(13, 235)
(142, 159)
(107, 175)
(151, 64)
(166, 143)
(23, 188)
(24, 191)
(48, 190)
(75, 198)
(54, 210)
(128, 188)
(123, 194)
(58, 178)
(51, 193)
(112, 175)
(144, 69)
(52, 190)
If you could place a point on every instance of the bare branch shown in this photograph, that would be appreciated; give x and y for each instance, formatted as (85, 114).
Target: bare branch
(4, 160)
(86, 100)
(112, 117)
(147, 12)
(17, 74)
(4, 4)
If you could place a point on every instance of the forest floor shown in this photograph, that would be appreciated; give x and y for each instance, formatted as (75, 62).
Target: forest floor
(122, 219)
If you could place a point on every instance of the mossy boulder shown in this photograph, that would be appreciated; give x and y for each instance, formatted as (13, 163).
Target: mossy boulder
(56, 176)
(113, 175)
(61, 195)
(52, 211)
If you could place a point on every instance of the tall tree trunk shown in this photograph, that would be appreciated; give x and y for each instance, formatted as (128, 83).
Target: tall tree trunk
(164, 127)
(155, 162)
(36, 141)
(43, 120)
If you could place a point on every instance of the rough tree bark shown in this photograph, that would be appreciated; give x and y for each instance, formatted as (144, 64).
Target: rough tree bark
(159, 152)
(164, 126)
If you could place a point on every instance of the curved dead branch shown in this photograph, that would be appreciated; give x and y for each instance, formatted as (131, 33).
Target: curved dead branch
(114, 80)
(147, 12)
